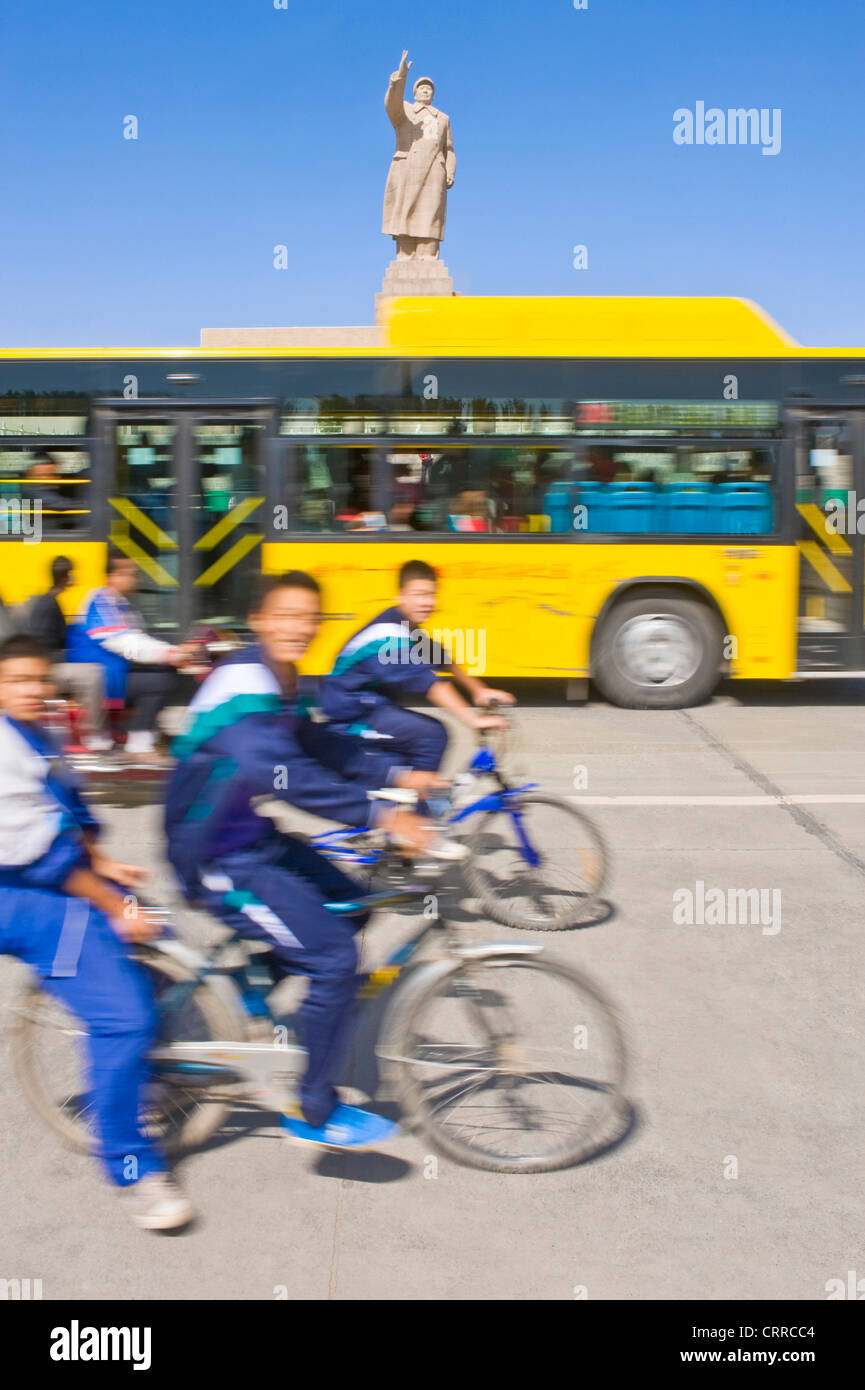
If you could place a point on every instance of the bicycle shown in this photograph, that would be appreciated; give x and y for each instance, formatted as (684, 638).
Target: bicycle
(488, 1088)
(516, 882)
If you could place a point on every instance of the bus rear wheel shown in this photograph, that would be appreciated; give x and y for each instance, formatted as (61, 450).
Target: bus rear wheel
(658, 651)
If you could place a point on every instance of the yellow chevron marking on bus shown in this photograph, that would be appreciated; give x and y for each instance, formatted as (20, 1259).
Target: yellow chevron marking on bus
(146, 562)
(228, 523)
(824, 567)
(142, 523)
(225, 562)
(817, 520)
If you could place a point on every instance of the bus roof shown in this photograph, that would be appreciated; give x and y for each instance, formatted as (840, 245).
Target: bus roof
(581, 326)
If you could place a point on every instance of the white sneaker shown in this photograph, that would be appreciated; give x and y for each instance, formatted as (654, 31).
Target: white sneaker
(440, 847)
(443, 847)
(98, 743)
(140, 741)
(156, 1203)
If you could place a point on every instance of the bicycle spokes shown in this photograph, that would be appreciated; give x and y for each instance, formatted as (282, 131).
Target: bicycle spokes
(538, 864)
(516, 1065)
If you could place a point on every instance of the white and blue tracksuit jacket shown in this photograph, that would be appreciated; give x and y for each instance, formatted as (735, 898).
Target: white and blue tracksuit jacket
(244, 739)
(70, 945)
(375, 667)
(108, 632)
(42, 822)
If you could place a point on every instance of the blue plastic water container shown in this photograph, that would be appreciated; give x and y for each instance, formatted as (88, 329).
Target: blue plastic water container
(560, 510)
(743, 509)
(687, 509)
(631, 511)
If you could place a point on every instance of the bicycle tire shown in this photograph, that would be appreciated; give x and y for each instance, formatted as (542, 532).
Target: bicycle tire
(403, 1041)
(70, 1127)
(496, 896)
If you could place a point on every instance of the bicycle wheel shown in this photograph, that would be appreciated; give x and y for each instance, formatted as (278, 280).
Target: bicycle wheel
(558, 892)
(48, 1054)
(510, 1063)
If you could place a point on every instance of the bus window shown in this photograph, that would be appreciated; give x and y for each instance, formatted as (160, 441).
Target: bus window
(47, 489)
(473, 488)
(228, 510)
(825, 478)
(55, 416)
(145, 476)
(676, 489)
(334, 490)
(143, 514)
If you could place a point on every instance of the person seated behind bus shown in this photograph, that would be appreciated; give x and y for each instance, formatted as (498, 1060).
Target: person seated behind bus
(63, 912)
(82, 681)
(139, 669)
(385, 661)
(248, 735)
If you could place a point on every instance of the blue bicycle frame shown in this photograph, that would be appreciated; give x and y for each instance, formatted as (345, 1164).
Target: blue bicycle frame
(336, 844)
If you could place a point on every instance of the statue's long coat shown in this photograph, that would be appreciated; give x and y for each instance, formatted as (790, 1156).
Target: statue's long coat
(415, 196)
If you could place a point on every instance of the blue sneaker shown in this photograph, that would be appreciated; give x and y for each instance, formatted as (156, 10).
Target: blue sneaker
(347, 1127)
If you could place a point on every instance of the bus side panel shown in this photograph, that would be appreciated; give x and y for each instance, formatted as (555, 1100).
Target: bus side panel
(25, 569)
(512, 606)
(528, 610)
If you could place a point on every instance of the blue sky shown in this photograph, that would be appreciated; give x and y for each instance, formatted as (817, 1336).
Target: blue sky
(260, 127)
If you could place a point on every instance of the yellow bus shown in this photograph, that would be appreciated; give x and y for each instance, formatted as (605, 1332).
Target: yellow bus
(646, 492)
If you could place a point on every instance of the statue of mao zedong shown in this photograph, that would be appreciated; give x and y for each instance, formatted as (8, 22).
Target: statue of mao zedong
(422, 168)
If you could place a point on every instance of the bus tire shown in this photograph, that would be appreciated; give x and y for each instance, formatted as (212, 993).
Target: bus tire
(657, 651)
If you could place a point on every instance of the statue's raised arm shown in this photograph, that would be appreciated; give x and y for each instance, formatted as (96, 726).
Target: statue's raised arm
(395, 94)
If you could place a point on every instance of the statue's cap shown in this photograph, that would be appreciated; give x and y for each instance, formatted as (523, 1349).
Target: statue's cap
(428, 80)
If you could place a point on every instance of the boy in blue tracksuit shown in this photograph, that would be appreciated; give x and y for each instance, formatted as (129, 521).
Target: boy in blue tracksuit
(63, 913)
(383, 663)
(248, 736)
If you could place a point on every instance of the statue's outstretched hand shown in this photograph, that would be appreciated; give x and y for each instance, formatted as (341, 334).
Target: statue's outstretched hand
(404, 63)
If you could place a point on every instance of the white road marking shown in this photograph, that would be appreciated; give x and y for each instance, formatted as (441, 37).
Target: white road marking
(809, 799)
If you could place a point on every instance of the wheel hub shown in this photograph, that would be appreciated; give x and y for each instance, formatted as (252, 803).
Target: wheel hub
(657, 649)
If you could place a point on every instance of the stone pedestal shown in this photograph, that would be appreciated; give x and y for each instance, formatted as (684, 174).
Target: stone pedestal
(419, 275)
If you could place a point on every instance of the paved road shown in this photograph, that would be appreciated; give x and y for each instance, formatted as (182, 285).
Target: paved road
(746, 1045)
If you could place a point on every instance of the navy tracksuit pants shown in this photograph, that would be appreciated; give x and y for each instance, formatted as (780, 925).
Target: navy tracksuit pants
(416, 740)
(83, 964)
(275, 892)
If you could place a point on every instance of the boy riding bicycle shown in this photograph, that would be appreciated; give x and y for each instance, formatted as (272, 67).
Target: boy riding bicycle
(248, 736)
(383, 663)
(64, 913)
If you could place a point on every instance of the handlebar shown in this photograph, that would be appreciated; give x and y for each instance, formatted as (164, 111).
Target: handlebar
(500, 711)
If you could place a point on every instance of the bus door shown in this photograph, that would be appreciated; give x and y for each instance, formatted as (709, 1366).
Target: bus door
(830, 533)
(186, 502)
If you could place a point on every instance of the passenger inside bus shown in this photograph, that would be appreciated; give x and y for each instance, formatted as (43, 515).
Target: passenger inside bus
(44, 481)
